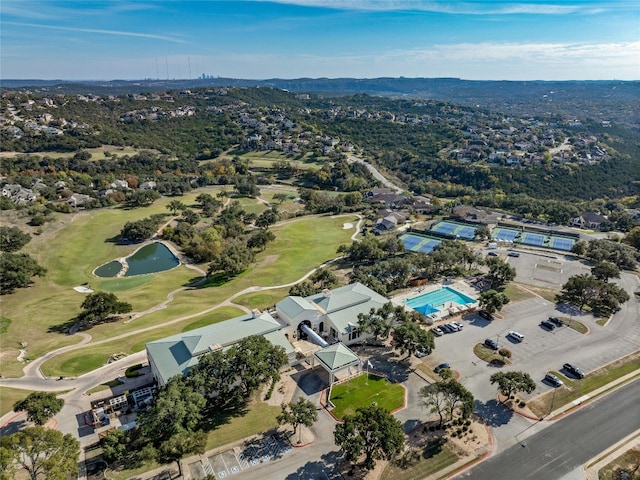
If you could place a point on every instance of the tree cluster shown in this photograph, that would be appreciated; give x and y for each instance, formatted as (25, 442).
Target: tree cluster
(602, 297)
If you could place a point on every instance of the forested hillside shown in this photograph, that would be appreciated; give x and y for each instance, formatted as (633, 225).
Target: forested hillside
(433, 147)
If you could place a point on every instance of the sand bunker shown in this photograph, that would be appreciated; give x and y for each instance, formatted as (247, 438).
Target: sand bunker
(82, 289)
(347, 226)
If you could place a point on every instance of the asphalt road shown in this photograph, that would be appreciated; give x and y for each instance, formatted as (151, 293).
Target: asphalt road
(566, 445)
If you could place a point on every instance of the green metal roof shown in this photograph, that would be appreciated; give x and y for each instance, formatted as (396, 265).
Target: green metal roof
(175, 355)
(336, 357)
(344, 304)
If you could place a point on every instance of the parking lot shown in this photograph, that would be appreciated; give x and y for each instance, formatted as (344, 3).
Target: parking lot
(231, 462)
(541, 350)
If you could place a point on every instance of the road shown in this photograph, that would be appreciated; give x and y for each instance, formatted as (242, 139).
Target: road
(564, 446)
(376, 174)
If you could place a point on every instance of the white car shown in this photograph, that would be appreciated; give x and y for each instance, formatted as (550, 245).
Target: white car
(516, 336)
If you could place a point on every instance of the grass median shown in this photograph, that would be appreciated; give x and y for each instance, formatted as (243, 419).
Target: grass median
(574, 389)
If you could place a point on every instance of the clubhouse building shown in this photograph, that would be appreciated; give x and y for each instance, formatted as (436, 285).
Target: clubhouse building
(328, 319)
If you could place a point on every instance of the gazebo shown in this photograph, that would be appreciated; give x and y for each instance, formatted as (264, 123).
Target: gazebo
(335, 358)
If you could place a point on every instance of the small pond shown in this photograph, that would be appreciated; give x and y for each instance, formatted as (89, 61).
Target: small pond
(152, 258)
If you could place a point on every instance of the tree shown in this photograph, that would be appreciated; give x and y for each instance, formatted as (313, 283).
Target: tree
(100, 306)
(510, 383)
(255, 360)
(12, 239)
(40, 406)
(234, 259)
(45, 453)
(446, 398)
(302, 412)
(17, 270)
(493, 301)
(142, 198)
(605, 270)
(633, 238)
(115, 445)
(482, 233)
(500, 272)
(175, 206)
(579, 248)
(411, 338)
(180, 445)
(380, 322)
(303, 289)
(178, 409)
(371, 431)
(260, 239)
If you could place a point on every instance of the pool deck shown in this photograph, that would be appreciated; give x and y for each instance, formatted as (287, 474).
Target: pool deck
(461, 286)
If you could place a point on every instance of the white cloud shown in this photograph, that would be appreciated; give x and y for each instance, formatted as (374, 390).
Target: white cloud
(104, 32)
(455, 7)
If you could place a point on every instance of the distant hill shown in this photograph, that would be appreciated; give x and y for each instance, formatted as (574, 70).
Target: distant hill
(617, 101)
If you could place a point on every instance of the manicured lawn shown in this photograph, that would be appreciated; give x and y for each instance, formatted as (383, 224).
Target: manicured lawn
(574, 389)
(362, 391)
(9, 396)
(516, 293)
(264, 299)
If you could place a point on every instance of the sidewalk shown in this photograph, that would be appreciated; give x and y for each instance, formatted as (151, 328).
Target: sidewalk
(591, 469)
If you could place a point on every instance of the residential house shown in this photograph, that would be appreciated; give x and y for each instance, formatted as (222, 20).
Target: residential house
(590, 220)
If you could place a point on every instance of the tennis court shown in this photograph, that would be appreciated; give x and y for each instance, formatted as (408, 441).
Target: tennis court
(535, 239)
(454, 229)
(562, 243)
(505, 234)
(419, 243)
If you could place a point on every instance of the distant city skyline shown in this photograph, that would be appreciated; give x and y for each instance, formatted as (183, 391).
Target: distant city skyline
(171, 39)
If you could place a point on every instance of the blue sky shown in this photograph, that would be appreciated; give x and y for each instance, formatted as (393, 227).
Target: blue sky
(473, 39)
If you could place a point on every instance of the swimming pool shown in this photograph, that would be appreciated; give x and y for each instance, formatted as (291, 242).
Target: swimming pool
(435, 301)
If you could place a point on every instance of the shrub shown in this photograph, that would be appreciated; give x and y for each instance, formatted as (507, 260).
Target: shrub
(505, 352)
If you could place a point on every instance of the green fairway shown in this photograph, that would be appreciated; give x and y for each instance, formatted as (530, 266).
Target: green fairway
(364, 390)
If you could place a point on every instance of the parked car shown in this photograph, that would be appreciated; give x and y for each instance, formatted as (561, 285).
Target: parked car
(486, 315)
(513, 254)
(576, 371)
(491, 343)
(517, 336)
(492, 254)
(441, 367)
(553, 380)
(556, 321)
(446, 328)
(453, 326)
(547, 324)
(437, 331)
(421, 353)
(460, 325)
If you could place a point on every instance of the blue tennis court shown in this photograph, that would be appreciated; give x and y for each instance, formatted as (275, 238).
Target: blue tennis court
(419, 243)
(562, 243)
(505, 235)
(411, 241)
(429, 246)
(445, 227)
(468, 233)
(534, 239)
